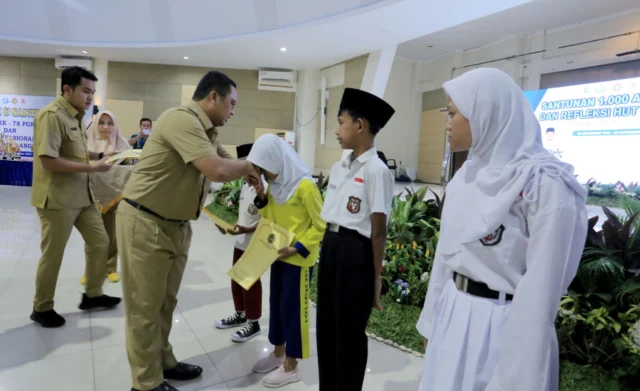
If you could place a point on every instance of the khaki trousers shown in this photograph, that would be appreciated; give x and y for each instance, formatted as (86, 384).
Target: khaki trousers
(57, 225)
(153, 256)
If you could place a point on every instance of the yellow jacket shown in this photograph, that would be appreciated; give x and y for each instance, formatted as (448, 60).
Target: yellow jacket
(300, 215)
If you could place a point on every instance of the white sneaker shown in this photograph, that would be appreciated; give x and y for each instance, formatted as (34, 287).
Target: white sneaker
(268, 364)
(280, 378)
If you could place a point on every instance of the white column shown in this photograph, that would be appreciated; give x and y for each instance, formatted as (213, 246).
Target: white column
(532, 71)
(100, 69)
(378, 69)
(307, 114)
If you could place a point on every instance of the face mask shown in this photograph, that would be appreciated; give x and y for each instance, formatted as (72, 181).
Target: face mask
(146, 132)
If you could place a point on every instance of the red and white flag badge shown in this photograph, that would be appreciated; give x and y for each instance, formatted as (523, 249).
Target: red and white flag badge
(359, 180)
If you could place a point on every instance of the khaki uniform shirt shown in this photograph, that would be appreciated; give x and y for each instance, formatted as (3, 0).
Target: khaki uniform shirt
(58, 132)
(164, 180)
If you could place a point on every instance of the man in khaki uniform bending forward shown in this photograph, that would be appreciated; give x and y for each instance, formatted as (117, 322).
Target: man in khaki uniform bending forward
(63, 198)
(167, 188)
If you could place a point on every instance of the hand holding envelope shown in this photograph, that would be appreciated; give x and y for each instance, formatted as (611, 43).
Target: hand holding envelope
(270, 242)
(128, 154)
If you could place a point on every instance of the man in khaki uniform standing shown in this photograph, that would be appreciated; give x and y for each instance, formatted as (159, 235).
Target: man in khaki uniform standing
(167, 188)
(63, 198)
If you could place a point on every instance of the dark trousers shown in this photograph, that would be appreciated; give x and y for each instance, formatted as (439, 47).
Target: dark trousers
(289, 308)
(249, 301)
(345, 301)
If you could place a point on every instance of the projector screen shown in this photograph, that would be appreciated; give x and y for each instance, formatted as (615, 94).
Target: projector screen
(595, 127)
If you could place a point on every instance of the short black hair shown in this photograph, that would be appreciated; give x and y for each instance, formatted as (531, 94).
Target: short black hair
(73, 76)
(551, 130)
(373, 127)
(213, 81)
(145, 119)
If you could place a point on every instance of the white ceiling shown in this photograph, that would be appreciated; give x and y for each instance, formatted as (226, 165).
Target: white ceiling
(228, 34)
(114, 23)
(528, 18)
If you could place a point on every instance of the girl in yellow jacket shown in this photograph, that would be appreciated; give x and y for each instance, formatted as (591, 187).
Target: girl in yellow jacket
(292, 201)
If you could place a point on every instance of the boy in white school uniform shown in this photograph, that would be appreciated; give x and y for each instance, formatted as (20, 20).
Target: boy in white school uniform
(247, 303)
(356, 208)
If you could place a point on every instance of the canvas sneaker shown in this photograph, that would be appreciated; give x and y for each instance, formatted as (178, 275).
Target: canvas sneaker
(236, 320)
(268, 364)
(280, 378)
(250, 330)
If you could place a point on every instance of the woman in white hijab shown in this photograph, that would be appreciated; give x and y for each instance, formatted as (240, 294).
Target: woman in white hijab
(513, 230)
(293, 201)
(104, 136)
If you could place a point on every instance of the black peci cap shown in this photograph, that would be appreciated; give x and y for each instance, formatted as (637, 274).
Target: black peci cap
(243, 150)
(368, 105)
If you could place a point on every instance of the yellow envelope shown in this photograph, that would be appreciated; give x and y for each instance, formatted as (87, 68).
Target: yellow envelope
(128, 154)
(262, 251)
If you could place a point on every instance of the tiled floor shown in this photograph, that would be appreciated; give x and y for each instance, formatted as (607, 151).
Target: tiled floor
(88, 353)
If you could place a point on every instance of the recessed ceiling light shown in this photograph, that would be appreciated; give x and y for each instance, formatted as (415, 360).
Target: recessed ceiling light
(283, 49)
(85, 52)
(185, 57)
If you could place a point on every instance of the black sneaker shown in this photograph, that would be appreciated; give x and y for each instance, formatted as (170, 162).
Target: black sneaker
(236, 320)
(104, 301)
(249, 331)
(162, 387)
(48, 319)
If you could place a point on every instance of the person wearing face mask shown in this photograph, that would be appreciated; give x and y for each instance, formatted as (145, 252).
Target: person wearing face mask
(292, 201)
(168, 188)
(105, 137)
(513, 230)
(138, 140)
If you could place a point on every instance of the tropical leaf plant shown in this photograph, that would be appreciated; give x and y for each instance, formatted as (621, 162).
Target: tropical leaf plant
(596, 316)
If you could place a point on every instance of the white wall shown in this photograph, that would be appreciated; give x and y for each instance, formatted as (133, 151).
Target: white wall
(399, 139)
(526, 70)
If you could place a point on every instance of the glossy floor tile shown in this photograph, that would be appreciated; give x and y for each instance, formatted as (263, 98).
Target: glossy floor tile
(88, 353)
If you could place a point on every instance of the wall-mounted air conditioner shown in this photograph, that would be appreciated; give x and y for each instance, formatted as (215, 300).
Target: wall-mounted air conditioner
(277, 80)
(67, 62)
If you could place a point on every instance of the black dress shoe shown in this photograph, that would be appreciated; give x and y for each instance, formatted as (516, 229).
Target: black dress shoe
(162, 387)
(183, 372)
(104, 301)
(49, 319)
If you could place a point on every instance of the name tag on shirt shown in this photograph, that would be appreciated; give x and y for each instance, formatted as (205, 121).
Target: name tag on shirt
(74, 128)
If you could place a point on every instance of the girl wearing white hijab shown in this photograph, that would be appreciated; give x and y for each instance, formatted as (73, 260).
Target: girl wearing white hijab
(513, 229)
(293, 201)
(104, 136)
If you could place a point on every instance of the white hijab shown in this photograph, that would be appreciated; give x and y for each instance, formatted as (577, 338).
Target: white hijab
(508, 158)
(115, 143)
(275, 155)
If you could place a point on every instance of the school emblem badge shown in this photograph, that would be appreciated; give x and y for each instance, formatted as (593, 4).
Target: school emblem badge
(354, 205)
(494, 238)
(252, 210)
(271, 238)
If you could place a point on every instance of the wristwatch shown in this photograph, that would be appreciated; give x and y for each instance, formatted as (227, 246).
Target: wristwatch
(100, 155)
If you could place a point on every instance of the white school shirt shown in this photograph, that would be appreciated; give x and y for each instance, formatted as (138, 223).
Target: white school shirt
(534, 256)
(356, 190)
(248, 215)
